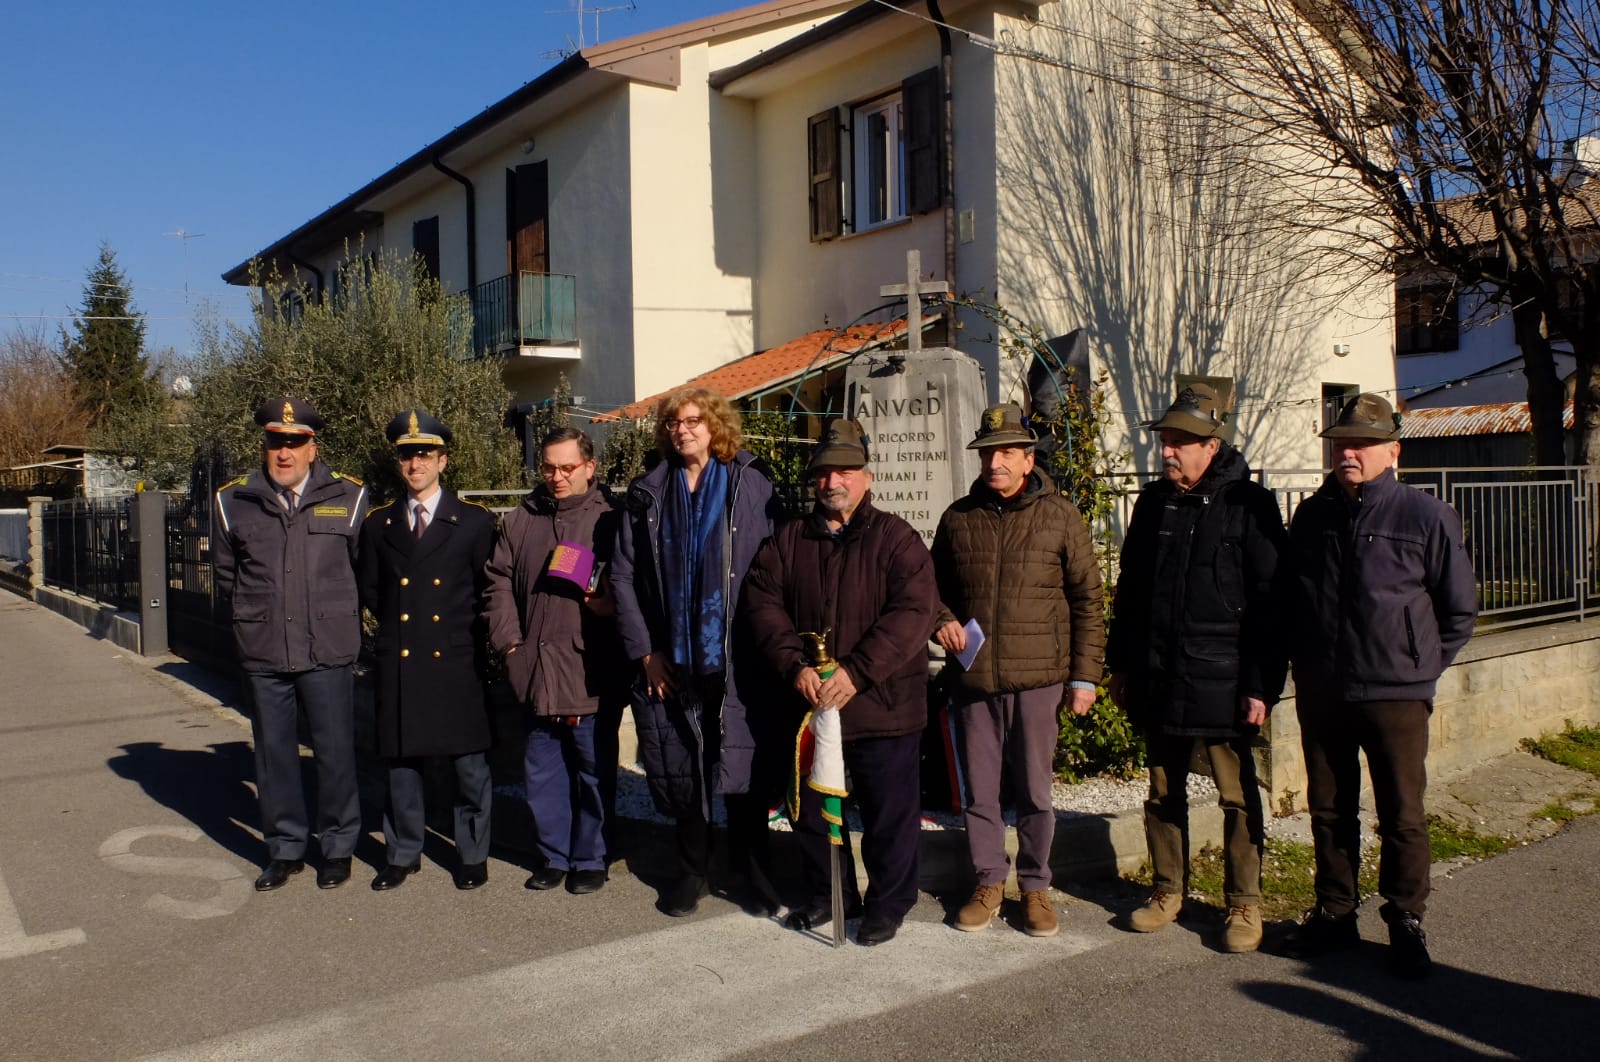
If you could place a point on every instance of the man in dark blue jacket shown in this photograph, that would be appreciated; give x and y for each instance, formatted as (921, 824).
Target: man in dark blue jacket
(1382, 598)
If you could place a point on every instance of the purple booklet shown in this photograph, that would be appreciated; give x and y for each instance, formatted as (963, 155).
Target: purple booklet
(576, 564)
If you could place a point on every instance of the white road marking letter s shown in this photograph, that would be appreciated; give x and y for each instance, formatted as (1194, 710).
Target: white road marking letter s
(232, 888)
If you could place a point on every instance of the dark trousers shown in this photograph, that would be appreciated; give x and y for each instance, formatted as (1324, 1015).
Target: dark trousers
(607, 752)
(563, 786)
(1166, 813)
(1018, 730)
(1394, 735)
(328, 697)
(885, 784)
(405, 823)
(747, 813)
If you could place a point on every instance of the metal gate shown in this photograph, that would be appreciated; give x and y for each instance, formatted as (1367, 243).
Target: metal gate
(199, 624)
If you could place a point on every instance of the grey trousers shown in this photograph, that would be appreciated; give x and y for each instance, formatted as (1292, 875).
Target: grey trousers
(1166, 813)
(328, 698)
(404, 823)
(1018, 730)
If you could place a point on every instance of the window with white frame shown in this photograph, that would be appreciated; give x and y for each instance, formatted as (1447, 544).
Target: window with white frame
(884, 165)
(878, 192)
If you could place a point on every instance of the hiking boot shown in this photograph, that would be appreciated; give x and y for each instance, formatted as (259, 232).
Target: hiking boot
(1408, 946)
(1242, 932)
(1319, 933)
(1039, 914)
(981, 909)
(1158, 911)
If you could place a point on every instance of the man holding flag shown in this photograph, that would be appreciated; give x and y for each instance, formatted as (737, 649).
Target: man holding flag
(861, 581)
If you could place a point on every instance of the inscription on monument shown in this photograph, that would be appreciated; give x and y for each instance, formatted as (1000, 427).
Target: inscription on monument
(919, 410)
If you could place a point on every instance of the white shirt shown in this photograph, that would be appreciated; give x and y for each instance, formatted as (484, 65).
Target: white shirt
(431, 504)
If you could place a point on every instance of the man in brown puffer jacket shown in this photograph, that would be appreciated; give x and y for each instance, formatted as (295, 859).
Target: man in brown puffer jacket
(1014, 558)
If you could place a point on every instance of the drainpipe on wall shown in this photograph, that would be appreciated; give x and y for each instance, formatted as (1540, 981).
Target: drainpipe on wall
(946, 71)
(472, 222)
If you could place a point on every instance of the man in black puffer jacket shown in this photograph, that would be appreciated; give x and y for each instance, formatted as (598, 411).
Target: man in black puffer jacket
(1194, 653)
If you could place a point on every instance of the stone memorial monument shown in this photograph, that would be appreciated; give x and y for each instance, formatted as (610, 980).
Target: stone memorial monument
(920, 408)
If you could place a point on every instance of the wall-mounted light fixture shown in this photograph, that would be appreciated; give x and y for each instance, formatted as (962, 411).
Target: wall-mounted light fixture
(527, 146)
(1341, 349)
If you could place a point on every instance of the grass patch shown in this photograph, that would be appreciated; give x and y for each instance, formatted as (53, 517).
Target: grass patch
(1558, 812)
(1289, 867)
(1447, 841)
(1575, 747)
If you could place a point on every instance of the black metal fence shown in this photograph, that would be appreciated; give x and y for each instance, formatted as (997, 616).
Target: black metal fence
(89, 550)
(198, 625)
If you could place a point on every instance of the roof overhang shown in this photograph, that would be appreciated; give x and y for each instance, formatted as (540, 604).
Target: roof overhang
(855, 34)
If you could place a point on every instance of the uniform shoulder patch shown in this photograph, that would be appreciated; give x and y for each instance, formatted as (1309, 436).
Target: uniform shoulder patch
(241, 481)
(379, 507)
(352, 479)
(475, 505)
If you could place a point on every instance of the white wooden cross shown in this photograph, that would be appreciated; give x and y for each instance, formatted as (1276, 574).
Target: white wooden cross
(912, 291)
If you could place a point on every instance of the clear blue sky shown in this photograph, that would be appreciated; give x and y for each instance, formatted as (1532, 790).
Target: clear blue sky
(124, 122)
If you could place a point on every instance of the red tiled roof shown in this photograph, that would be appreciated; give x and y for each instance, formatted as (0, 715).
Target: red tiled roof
(1495, 418)
(775, 365)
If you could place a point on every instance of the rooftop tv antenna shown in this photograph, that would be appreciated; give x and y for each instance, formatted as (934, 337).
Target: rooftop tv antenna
(185, 235)
(583, 10)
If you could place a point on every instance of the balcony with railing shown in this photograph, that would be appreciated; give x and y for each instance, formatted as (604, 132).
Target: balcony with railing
(531, 313)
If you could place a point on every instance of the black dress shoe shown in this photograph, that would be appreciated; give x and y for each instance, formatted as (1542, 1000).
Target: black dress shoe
(1320, 933)
(544, 878)
(583, 882)
(683, 898)
(334, 872)
(1408, 946)
(392, 877)
(470, 876)
(278, 871)
(817, 915)
(875, 929)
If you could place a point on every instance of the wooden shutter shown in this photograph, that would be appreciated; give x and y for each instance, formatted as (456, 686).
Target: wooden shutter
(924, 140)
(823, 153)
(425, 242)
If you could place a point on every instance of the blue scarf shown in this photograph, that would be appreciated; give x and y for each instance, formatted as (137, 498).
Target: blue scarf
(693, 567)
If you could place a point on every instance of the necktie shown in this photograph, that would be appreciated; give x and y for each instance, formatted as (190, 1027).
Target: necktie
(290, 497)
(421, 519)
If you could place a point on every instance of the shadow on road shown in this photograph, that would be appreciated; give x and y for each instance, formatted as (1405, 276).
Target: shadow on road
(1464, 1014)
(208, 787)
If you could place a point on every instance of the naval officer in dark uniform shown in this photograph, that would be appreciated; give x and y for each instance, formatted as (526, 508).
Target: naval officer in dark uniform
(283, 541)
(422, 576)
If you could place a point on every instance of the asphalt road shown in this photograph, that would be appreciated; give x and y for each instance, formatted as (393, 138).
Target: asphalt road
(128, 929)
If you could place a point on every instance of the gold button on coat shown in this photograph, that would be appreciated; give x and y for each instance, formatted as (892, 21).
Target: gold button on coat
(436, 654)
(404, 616)
(405, 652)
(404, 581)
(436, 582)
(436, 619)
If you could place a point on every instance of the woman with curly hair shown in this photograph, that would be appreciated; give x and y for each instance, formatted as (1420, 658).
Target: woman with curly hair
(693, 525)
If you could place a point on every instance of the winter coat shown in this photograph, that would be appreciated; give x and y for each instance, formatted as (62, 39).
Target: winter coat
(1025, 569)
(427, 596)
(873, 587)
(292, 576)
(672, 747)
(1382, 595)
(562, 657)
(1194, 626)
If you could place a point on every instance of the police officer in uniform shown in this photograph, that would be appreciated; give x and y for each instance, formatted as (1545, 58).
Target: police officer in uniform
(284, 548)
(422, 576)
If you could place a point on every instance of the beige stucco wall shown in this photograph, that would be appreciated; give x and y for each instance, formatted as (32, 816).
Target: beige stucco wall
(1099, 229)
(806, 286)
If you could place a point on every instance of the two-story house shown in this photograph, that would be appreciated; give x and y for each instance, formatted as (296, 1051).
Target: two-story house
(654, 208)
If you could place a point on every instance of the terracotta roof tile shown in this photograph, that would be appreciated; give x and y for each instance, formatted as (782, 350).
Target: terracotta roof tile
(775, 365)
